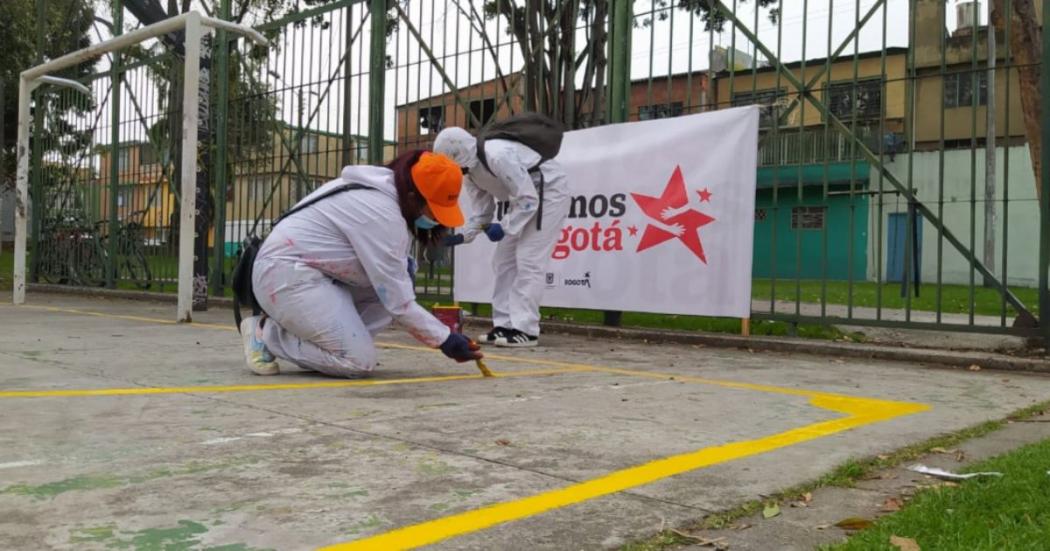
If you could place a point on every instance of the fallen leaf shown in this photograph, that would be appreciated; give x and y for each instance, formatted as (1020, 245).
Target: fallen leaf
(938, 450)
(823, 526)
(891, 505)
(771, 510)
(905, 544)
(883, 457)
(960, 455)
(503, 442)
(975, 367)
(854, 523)
(807, 497)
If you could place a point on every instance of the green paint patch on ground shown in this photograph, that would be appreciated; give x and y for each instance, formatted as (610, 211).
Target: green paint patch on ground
(185, 535)
(1011, 512)
(50, 490)
(370, 523)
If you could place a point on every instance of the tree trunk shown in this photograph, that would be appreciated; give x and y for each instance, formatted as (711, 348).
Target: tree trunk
(1026, 47)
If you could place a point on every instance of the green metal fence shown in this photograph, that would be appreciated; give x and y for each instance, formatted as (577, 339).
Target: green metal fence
(875, 204)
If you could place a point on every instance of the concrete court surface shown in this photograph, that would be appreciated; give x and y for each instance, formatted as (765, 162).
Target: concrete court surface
(190, 451)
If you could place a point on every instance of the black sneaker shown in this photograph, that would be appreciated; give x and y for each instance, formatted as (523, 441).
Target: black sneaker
(492, 336)
(512, 338)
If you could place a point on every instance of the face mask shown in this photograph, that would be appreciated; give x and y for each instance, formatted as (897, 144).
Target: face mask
(425, 222)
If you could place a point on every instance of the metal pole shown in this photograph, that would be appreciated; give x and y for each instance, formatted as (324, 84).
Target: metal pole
(188, 204)
(348, 145)
(1044, 195)
(22, 190)
(3, 175)
(619, 56)
(619, 85)
(377, 81)
(114, 153)
(222, 74)
(989, 153)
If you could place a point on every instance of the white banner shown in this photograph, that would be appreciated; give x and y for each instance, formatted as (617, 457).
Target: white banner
(662, 219)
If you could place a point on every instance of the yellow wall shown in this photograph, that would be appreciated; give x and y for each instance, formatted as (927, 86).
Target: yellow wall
(841, 71)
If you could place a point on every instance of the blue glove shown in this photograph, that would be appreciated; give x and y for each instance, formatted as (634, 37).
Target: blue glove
(412, 268)
(460, 348)
(453, 240)
(494, 231)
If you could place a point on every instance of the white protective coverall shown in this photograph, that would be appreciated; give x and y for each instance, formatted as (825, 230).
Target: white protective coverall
(336, 273)
(522, 256)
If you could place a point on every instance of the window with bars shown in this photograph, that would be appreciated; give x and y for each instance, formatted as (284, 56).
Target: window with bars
(259, 187)
(483, 110)
(766, 100)
(660, 111)
(808, 218)
(863, 100)
(431, 119)
(958, 89)
(309, 144)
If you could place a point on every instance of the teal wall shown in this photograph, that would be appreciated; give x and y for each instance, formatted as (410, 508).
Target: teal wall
(842, 213)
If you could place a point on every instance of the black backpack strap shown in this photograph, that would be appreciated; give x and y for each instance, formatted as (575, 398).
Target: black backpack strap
(301, 206)
(543, 184)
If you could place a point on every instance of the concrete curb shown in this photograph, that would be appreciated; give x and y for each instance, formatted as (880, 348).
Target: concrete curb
(945, 358)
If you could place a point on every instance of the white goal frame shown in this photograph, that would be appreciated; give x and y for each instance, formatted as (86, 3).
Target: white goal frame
(195, 26)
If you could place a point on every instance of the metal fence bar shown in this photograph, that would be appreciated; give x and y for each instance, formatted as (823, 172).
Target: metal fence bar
(114, 165)
(1044, 193)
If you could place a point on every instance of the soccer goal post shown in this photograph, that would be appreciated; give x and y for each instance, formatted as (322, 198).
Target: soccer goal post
(194, 26)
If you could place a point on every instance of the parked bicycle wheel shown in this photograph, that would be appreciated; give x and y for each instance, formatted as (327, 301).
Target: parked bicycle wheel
(137, 269)
(88, 264)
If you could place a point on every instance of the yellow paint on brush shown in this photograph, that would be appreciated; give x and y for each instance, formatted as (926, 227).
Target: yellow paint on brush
(484, 369)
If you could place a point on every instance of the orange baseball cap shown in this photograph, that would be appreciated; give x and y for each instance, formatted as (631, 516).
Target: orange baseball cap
(439, 180)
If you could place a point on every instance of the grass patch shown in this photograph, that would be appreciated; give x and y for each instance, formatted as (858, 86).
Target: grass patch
(845, 476)
(954, 299)
(1012, 512)
(690, 323)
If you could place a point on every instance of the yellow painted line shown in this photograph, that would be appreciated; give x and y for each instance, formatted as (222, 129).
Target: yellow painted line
(255, 388)
(862, 412)
(857, 412)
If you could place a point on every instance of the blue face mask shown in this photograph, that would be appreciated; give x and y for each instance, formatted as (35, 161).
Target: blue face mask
(425, 222)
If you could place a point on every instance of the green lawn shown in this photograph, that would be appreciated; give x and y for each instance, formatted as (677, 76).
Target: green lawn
(993, 514)
(954, 298)
(685, 323)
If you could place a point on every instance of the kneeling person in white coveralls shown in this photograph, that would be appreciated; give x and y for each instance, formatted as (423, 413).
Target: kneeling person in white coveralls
(525, 247)
(331, 275)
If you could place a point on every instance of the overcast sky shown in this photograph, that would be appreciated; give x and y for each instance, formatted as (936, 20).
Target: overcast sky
(305, 58)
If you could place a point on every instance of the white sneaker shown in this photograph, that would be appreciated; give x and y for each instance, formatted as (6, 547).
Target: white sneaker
(512, 338)
(258, 358)
(492, 336)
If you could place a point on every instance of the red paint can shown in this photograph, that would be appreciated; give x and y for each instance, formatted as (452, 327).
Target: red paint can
(451, 316)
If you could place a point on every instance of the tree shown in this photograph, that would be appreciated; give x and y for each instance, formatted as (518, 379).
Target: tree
(66, 27)
(545, 32)
(1026, 46)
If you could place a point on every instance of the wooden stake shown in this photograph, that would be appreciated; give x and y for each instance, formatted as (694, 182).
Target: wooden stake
(745, 327)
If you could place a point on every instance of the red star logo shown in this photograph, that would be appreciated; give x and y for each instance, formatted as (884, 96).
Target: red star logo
(633, 230)
(705, 196)
(684, 224)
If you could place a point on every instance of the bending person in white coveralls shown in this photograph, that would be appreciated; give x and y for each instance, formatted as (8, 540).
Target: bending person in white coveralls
(332, 275)
(521, 258)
